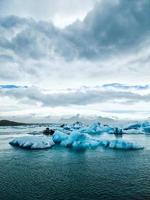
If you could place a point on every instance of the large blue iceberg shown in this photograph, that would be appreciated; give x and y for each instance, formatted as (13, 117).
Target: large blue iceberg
(78, 141)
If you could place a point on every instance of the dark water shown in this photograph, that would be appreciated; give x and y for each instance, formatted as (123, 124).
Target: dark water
(62, 174)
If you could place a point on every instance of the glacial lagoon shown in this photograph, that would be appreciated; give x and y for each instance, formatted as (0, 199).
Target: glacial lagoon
(62, 173)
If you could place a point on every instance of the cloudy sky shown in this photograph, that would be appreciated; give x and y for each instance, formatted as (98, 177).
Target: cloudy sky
(66, 57)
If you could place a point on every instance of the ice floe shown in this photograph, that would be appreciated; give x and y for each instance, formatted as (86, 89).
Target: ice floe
(33, 142)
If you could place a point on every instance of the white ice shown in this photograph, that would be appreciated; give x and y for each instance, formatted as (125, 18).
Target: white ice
(33, 142)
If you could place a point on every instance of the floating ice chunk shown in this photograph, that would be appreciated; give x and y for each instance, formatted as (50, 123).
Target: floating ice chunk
(133, 126)
(75, 140)
(134, 131)
(59, 136)
(70, 127)
(33, 142)
(145, 124)
(72, 140)
(73, 137)
(77, 125)
(138, 125)
(82, 141)
(138, 128)
(97, 128)
(122, 144)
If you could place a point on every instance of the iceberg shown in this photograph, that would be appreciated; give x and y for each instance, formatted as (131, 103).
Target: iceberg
(59, 136)
(97, 128)
(134, 131)
(82, 141)
(70, 127)
(138, 128)
(133, 126)
(77, 125)
(33, 142)
(75, 140)
(122, 144)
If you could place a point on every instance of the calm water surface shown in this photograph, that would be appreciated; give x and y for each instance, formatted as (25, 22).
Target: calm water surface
(63, 174)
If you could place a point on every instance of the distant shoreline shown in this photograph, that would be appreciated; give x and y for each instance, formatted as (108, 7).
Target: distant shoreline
(11, 123)
(14, 123)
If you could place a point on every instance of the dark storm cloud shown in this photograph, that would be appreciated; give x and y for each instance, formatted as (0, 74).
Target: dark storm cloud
(111, 27)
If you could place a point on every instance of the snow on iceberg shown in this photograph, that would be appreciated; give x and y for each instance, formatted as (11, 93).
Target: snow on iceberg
(33, 142)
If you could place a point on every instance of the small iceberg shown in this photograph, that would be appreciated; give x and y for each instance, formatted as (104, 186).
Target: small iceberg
(138, 128)
(97, 128)
(134, 131)
(70, 127)
(33, 142)
(133, 126)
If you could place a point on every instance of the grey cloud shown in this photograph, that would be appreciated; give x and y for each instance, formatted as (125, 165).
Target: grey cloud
(77, 97)
(111, 27)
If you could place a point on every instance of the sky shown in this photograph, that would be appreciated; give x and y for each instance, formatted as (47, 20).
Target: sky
(69, 57)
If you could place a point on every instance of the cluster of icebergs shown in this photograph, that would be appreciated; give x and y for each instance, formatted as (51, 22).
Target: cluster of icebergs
(98, 128)
(77, 137)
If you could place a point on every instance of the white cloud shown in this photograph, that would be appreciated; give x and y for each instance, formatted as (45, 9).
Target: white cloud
(62, 12)
(100, 49)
